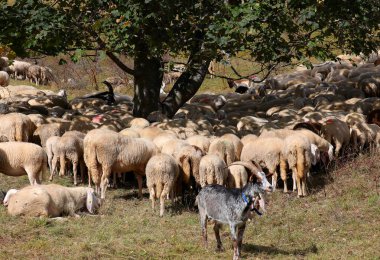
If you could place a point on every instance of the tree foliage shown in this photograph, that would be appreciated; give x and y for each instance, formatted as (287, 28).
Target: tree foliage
(271, 31)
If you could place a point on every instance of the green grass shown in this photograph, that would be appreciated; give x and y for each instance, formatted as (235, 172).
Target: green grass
(339, 220)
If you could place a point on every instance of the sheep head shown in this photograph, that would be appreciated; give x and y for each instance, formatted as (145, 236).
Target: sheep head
(92, 201)
(8, 196)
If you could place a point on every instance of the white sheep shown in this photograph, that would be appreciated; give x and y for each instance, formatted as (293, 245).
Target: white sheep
(17, 127)
(297, 152)
(4, 79)
(161, 175)
(188, 158)
(336, 131)
(19, 69)
(19, 158)
(8, 195)
(52, 201)
(200, 141)
(50, 148)
(106, 151)
(212, 170)
(248, 138)
(237, 176)
(224, 149)
(238, 145)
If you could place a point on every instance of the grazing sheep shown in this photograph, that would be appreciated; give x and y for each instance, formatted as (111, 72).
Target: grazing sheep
(106, 151)
(161, 139)
(363, 134)
(19, 69)
(297, 152)
(4, 79)
(224, 149)
(161, 175)
(200, 141)
(172, 145)
(17, 127)
(130, 133)
(150, 132)
(238, 145)
(267, 152)
(70, 147)
(50, 148)
(52, 201)
(34, 74)
(212, 170)
(336, 132)
(44, 132)
(248, 138)
(237, 176)
(19, 158)
(188, 158)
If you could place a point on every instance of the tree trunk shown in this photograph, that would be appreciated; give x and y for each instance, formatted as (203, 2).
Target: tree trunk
(186, 86)
(148, 73)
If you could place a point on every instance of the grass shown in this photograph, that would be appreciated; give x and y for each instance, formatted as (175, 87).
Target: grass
(339, 220)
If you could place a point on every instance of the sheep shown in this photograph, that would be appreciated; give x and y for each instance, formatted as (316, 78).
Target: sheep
(172, 145)
(162, 138)
(337, 132)
(200, 141)
(19, 69)
(138, 123)
(50, 148)
(106, 151)
(4, 79)
(17, 127)
(362, 134)
(212, 170)
(224, 149)
(188, 158)
(161, 175)
(238, 145)
(69, 146)
(37, 119)
(8, 196)
(248, 138)
(130, 132)
(150, 132)
(237, 176)
(19, 158)
(34, 74)
(43, 132)
(297, 152)
(267, 152)
(52, 201)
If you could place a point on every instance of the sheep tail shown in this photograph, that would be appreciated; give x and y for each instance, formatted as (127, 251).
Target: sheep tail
(300, 162)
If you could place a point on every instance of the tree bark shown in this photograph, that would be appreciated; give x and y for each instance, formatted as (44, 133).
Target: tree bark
(148, 73)
(186, 86)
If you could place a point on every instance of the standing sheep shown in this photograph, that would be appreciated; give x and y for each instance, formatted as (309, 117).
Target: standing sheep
(161, 175)
(297, 152)
(224, 149)
(19, 158)
(212, 170)
(237, 176)
(188, 158)
(336, 132)
(200, 141)
(52, 201)
(106, 151)
(4, 79)
(238, 145)
(17, 127)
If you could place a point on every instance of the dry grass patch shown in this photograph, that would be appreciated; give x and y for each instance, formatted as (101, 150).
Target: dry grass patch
(339, 220)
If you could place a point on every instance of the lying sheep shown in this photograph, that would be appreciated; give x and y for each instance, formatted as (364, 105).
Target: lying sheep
(17, 127)
(19, 158)
(212, 170)
(4, 79)
(297, 152)
(52, 201)
(161, 174)
(106, 151)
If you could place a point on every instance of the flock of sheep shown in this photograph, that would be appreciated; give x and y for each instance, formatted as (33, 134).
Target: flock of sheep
(293, 121)
(40, 75)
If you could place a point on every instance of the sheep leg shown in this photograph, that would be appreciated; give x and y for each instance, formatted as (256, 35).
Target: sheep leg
(82, 169)
(299, 187)
(294, 176)
(219, 245)
(338, 146)
(75, 171)
(152, 196)
(164, 193)
(104, 181)
(62, 163)
(31, 177)
(54, 166)
(304, 189)
(139, 182)
(274, 180)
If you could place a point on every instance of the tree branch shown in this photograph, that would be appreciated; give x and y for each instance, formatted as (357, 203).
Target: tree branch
(119, 63)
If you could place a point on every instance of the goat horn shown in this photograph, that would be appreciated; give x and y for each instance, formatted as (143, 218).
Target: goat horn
(253, 167)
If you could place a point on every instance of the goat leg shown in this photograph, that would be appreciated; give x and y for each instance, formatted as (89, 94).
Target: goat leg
(240, 236)
(219, 246)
